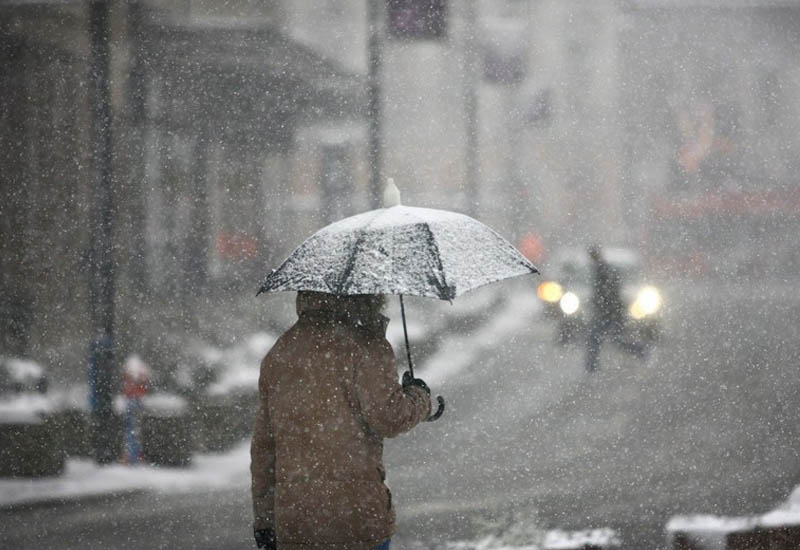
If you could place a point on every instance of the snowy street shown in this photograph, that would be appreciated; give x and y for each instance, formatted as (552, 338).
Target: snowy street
(706, 425)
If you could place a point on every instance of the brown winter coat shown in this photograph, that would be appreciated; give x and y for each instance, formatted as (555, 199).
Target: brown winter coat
(329, 394)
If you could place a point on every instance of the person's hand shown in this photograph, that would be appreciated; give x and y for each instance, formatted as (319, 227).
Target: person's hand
(409, 380)
(265, 538)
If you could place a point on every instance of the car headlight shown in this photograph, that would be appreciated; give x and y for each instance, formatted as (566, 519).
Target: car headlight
(647, 302)
(550, 291)
(569, 303)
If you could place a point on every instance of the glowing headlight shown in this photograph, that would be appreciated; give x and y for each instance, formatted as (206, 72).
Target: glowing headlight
(550, 291)
(569, 303)
(647, 302)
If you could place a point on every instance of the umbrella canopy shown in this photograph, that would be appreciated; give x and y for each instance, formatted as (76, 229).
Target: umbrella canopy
(400, 250)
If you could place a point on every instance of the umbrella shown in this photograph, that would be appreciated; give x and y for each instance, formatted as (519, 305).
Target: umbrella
(400, 250)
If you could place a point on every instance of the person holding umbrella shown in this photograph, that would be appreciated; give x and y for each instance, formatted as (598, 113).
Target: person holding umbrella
(328, 388)
(329, 395)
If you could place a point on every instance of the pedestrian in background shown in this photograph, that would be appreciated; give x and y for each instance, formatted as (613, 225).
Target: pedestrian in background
(606, 315)
(329, 395)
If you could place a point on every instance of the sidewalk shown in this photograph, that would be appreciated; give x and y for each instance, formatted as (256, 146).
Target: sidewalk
(85, 479)
(428, 322)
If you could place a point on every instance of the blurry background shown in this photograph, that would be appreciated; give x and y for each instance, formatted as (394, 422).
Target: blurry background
(157, 158)
(240, 127)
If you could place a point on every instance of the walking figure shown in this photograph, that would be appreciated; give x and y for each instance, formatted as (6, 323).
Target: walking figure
(607, 315)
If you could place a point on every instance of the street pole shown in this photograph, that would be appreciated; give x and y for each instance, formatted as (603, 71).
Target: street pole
(136, 129)
(374, 112)
(101, 247)
(472, 157)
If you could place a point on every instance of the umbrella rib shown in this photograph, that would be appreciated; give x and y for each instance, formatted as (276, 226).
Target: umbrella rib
(448, 293)
(351, 259)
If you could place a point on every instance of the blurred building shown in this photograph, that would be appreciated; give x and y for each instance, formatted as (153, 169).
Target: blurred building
(207, 106)
(710, 104)
(240, 127)
(570, 124)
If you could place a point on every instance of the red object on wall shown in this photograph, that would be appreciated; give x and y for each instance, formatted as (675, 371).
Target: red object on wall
(237, 246)
(532, 247)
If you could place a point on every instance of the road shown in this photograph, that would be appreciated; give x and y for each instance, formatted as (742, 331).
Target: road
(708, 424)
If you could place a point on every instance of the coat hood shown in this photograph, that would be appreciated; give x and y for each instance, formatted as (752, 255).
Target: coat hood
(360, 311)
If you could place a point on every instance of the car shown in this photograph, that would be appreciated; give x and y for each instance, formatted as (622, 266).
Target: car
(566, 293)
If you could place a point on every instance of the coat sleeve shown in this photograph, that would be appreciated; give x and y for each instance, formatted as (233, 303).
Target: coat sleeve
(388, 408)
(262, 461)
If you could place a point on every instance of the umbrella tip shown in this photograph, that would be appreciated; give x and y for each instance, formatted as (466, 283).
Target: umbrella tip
(391, 194)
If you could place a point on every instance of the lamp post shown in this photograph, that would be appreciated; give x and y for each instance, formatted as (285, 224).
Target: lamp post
(472, 151)
(101, 246)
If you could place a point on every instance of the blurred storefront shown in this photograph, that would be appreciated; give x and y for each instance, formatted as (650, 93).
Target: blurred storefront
(206, 111)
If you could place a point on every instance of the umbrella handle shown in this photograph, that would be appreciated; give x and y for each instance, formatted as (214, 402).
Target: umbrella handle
(439, 411)
(439, 398)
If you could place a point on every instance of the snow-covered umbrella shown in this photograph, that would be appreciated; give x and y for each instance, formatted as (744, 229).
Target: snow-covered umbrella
(400, 250)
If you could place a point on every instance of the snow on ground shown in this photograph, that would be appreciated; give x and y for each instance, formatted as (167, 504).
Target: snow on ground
(24, 408)
(525, 536)
(83, 478)
(239, 364)
(709, 532)
(459, 351)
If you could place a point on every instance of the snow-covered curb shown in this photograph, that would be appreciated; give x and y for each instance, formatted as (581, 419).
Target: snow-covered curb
(238, 368)
(711, 532)
(83, 478)
(555, 539)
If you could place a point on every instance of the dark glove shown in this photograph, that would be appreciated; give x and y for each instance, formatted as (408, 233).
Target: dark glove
(409, 380)
(265, 538)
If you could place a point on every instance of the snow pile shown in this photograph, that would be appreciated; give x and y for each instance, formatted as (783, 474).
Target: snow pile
(23, 371)
(710, 532)
(164, 404)
(24, 408)
(787, 513)
(490, 542)
(84, 478)
(518, 532)
(22, 397)
(529, 538)
(573, 540)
